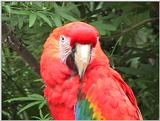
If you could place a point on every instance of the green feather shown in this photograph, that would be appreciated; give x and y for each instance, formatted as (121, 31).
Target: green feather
(85, 112)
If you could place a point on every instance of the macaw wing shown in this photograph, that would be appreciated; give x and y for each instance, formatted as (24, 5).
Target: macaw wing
(109, 96)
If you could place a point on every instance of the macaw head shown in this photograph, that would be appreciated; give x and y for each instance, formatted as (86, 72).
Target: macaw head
(76, 44)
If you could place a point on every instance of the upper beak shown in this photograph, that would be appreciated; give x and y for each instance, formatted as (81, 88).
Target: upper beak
(82, 57)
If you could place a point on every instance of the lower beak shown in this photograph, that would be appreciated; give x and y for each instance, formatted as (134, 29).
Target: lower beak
(82, 58)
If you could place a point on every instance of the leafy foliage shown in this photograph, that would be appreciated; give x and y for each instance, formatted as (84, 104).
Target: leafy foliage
(134, 53)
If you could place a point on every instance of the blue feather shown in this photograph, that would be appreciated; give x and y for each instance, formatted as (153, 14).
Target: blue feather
(83, 111)
(78, 110)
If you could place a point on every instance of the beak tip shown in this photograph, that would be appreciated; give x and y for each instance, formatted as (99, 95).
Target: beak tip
(81, 75)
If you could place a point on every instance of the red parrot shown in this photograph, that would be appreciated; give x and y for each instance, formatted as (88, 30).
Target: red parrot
(80, 83)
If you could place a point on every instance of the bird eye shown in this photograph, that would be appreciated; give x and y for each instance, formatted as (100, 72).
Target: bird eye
(62, 39)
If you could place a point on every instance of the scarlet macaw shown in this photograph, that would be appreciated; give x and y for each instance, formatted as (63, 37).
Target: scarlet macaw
(80, 84)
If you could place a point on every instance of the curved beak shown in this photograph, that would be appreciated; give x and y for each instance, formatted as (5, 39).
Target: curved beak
(82, 57)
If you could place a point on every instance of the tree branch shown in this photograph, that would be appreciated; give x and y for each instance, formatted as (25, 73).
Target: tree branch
(16, 45)
(131, 28)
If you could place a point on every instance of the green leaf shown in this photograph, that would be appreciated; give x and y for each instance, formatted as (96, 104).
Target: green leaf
(70, 7)
(99, 6)
(5, 18)
(100, 26)
(141, 83)
(40, 113)
(6, 114)
(8, 8)
(20, 23)
(46, 116)
(68, 17)
(38, 80)
(131, 71)
(42, 117)
(32, 19)
(42, 104)
(56, 6)
(20, 99)
(36, 117)
(142, 16)
(20, 12)
(91, 5)
(57, 20)
(29, 98)
(37, 96)
(45, 18)
(111, 27)
(28, 106)
(42, 86)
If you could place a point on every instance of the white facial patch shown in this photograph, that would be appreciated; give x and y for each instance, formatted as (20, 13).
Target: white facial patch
(65, 48)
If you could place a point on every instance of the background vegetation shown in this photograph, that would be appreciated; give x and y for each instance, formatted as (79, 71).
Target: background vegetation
(129, 36)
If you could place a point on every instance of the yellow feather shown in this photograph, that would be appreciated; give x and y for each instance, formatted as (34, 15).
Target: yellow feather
(97, 115)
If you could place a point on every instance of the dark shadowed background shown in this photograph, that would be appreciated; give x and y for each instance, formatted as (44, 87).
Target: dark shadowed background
(129, 36)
